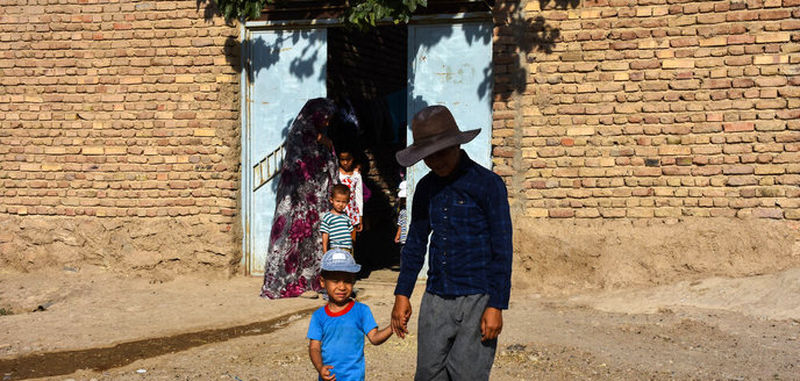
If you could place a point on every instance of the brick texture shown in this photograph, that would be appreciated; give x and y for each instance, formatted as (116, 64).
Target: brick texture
(649, 108)
(119, 109)
(603, 109)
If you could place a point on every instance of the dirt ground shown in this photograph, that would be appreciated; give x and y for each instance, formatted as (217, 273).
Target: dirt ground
(101, 326)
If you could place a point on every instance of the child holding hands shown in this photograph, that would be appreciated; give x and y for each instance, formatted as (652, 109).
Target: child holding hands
(336, 331)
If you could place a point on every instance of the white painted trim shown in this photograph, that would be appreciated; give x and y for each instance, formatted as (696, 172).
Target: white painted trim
(245, 154)
(269, 24)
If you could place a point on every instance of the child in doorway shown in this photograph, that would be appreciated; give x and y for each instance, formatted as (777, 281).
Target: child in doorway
(337, 232)
(402, 216)
(336, 331)
(350, 175)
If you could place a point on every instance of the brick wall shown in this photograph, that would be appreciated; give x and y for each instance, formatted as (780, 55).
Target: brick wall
(125, 111)
(649, 108)
(119, 129)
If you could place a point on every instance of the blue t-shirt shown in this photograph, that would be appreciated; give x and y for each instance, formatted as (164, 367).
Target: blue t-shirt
(342, 337)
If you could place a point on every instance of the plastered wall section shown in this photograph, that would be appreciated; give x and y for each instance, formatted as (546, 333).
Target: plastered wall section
(119, 135)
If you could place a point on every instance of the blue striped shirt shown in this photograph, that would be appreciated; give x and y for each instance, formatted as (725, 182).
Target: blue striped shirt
(338, 228)
(470, 248)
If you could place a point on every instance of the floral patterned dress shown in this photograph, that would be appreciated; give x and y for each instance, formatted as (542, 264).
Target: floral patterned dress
(308, 172)
(355, 207)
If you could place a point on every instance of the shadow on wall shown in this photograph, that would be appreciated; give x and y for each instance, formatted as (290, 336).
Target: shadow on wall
(504, 77)
(527, 35)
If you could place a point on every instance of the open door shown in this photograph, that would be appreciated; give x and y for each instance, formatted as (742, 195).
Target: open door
(285, 69)
(451, 65)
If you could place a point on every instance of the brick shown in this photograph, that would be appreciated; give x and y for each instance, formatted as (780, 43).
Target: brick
(738, 126)
(116, 150)
(55, 150)
(640, 212)
(737, 169)
(93, 150)
(587, 213)
(677, 63)
(204, 132)
(536, 212)
(561, 213)
(770, 60)
(645, 64)
(612, 213)
(768, 213)
(184, 78)
(741, 39)
(580, 131)
(30, 167)
(773, 37)
(769, 170)
(51, 167)
(737, 181)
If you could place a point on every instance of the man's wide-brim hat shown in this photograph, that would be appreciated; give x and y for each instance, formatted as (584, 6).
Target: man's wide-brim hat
(434, 129)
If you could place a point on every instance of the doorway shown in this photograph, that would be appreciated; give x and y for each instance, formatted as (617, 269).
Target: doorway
(367, 73)
(385, 75)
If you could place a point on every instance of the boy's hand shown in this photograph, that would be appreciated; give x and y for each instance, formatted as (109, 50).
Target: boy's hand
(326, 374)
(491, 323)
(400, 315)
(359, 227)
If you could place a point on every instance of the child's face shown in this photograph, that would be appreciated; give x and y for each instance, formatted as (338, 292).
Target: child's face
(339, 202)
(339, 286)
(346, 161)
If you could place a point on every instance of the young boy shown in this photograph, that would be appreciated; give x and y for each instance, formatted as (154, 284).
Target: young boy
(336, 332)
(337, 231)
(402, 216)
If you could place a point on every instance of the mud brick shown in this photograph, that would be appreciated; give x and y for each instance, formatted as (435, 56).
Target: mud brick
(678, 63)
(738, 126)
(771, 81)
(736, 181)
(773, 37)
(561, 213)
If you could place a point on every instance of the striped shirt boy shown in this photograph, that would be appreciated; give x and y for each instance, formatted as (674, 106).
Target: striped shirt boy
(339, 229)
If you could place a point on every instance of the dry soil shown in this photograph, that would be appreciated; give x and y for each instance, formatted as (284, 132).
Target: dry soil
(104, 326)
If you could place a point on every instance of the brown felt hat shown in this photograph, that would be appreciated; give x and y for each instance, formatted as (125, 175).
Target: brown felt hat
(434, 129)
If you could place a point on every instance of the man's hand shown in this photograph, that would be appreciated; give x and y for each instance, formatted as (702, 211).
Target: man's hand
(326, 374)
(491, 323)
(401, 313)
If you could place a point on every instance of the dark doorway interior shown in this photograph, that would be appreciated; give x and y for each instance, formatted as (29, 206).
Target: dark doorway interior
(368, 71)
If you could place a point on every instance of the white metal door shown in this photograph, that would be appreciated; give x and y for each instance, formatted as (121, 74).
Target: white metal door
(286, 69)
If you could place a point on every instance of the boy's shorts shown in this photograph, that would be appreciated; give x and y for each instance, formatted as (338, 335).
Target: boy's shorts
(347, 249)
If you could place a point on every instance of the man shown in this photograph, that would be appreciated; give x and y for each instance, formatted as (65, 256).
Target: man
(465, 207)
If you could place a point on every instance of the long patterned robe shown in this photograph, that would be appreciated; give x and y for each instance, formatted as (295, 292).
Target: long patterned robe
(308, 172)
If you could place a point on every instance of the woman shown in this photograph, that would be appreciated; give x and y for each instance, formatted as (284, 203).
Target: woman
(307, 174)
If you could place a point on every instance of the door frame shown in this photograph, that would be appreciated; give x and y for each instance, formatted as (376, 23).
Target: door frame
(246, 31)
